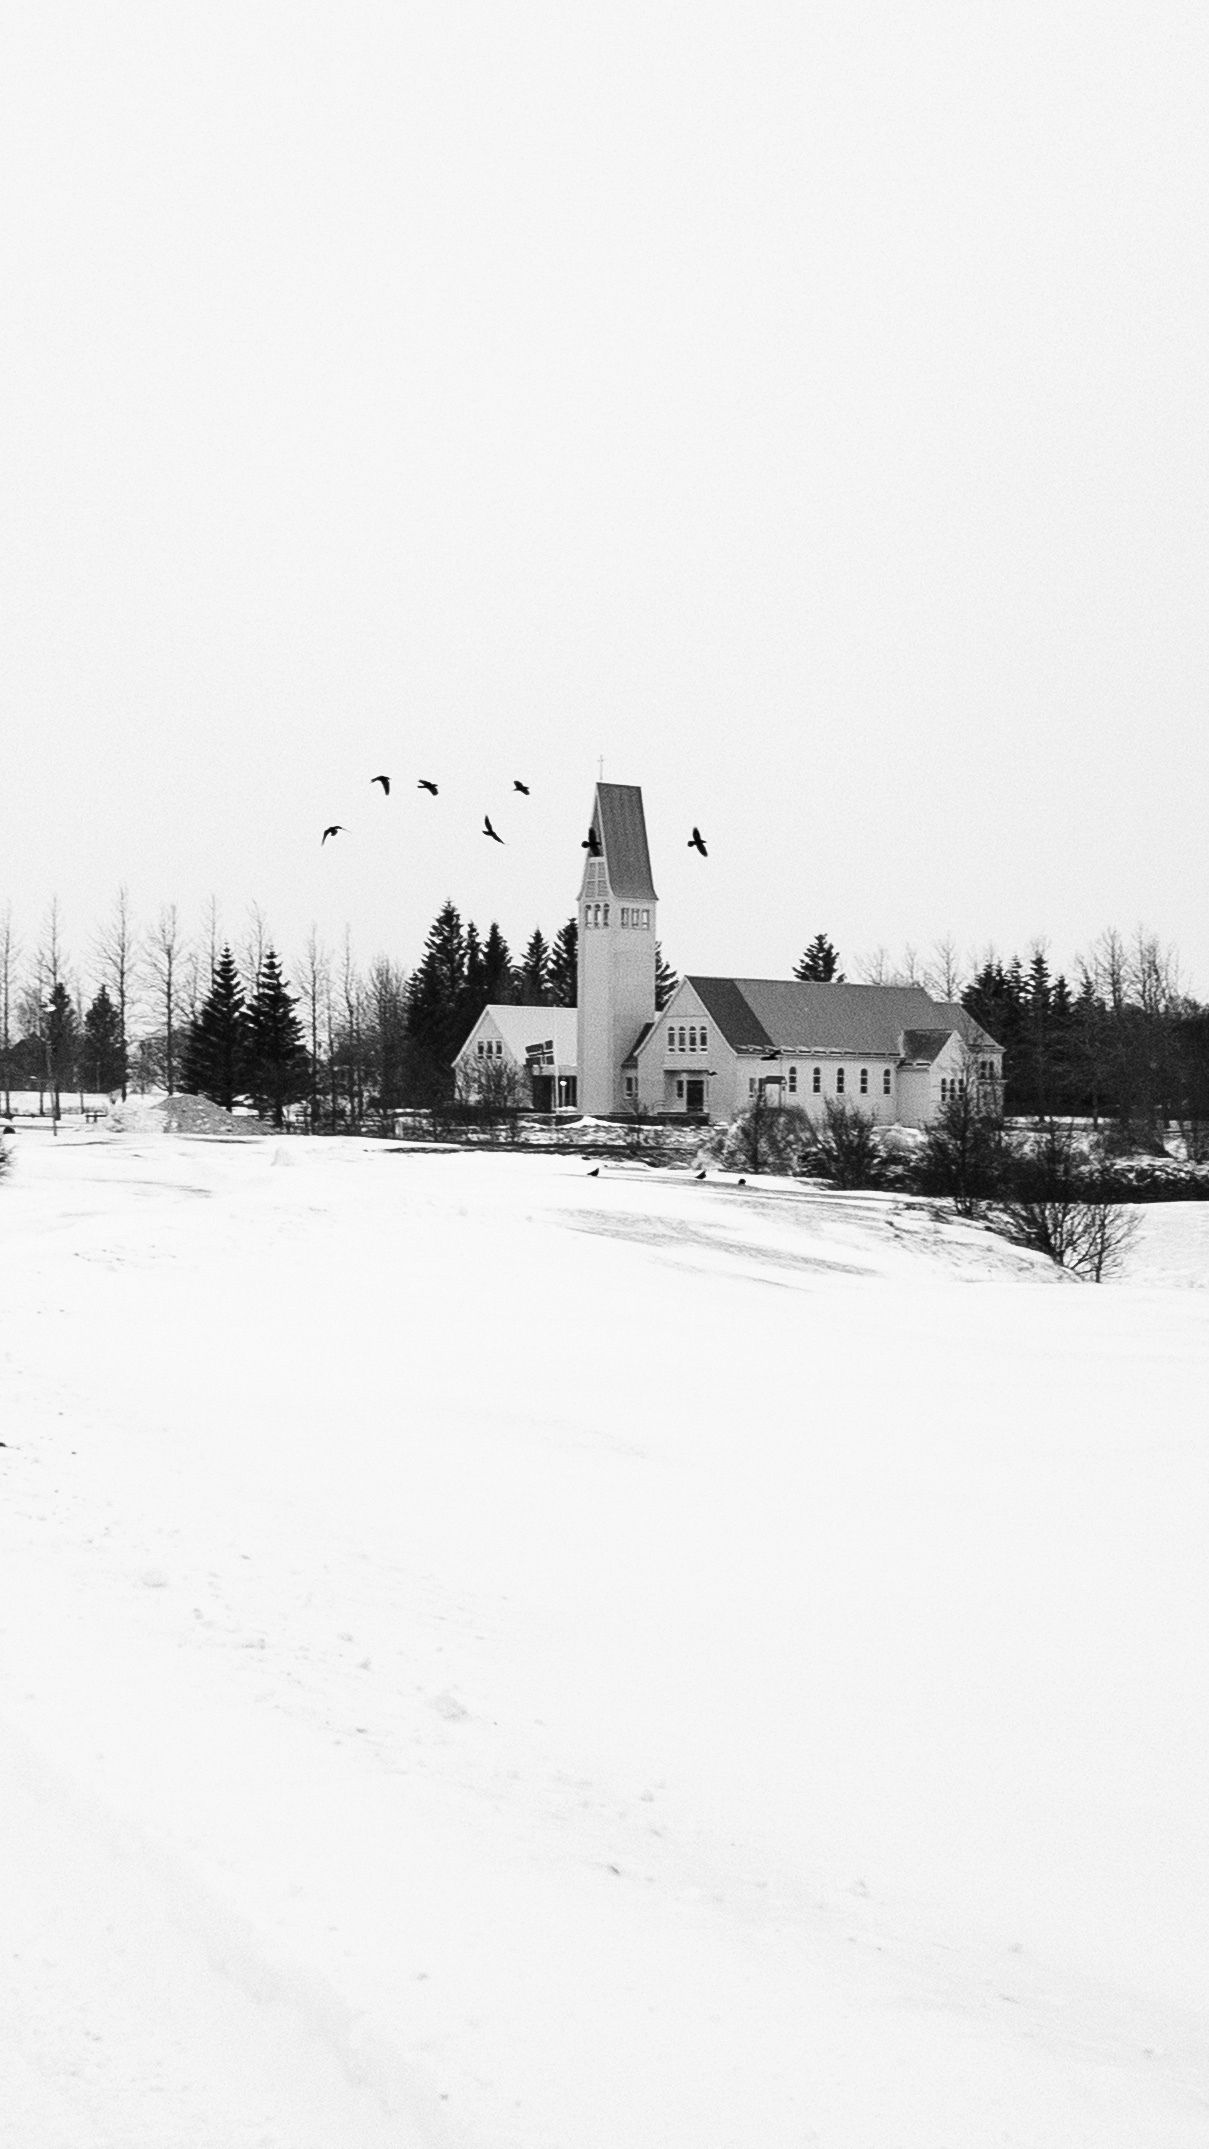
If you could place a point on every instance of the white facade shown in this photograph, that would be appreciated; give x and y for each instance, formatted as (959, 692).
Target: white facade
(536, 1044)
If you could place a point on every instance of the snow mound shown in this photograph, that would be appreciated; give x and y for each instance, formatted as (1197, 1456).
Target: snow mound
(178, 1115)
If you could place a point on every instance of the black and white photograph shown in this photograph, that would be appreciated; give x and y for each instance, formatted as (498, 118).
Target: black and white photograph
(604, 1074)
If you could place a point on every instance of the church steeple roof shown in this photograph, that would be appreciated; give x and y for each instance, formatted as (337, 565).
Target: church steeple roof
(620, 823)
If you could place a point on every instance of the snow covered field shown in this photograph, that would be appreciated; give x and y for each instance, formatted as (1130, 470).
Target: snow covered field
(503, 1658)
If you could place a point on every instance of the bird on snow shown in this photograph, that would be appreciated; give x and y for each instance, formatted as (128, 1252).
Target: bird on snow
(699, 1175)
(424, 785)
(517, 785)
(385, 783)
(740, 1182)
(336, 829)
(696, 842)
(488, 830)
(595, 1172)
(591, 844)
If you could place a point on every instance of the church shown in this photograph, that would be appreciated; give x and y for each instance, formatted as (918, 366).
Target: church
(721, 1043)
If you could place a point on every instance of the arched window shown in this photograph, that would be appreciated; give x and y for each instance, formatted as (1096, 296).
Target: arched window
(793, 1081)
(703, 1038)
(816, 1080)
(885, 1081)
(692, 1037)
(864, 1081)
(683, 1046)
(839, 1081)
(671, 1037)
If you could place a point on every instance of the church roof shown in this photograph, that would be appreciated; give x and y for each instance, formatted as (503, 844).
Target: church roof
(925, 1044)
(621, 825)
(783, 1015)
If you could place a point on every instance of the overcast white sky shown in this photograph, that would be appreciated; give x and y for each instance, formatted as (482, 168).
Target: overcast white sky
(803, 407)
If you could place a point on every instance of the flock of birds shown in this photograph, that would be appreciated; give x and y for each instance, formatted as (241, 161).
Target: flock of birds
(591, 842)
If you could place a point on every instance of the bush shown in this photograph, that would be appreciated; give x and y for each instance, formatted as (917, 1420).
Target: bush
(767, 1137)
(844, 1148)
(1058, 1200)
(965, 1153)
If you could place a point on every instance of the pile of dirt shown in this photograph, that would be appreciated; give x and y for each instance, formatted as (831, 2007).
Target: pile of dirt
(178, 1115)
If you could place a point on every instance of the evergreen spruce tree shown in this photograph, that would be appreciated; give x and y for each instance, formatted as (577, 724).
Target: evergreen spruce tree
(499, 982)
(436, 1009)
(564, 965)
(820, 964)
(475, 985)
(62, 1038)
(533, 979)
(277, 1067)
(103, 1055)
(215, 1054)
(666, 980)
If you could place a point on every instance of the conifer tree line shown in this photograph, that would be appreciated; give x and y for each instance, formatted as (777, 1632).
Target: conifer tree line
(159, 1008)
(142, 1006)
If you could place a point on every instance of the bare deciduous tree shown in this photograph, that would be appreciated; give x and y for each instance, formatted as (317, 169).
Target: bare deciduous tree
(163, 962)
(9, 954)
(117, 950)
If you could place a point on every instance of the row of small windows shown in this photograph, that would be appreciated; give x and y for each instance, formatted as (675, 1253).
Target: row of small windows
(490, 1048)
(816, 1081)
(697, 1034)
(633, 916)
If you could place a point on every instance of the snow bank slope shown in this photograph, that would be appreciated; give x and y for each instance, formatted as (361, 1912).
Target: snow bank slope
(504, 1658)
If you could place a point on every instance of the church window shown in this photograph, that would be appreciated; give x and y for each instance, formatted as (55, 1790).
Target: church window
(683, 1046)
(606, 914)
(646, 920)
(885, 1081)
(793, 1081)
(671, 1037)
(816, 1080)
(839, 1081)
(692, 1037)
(680, 1089)
(480, 1048)
(864, 1081)
(703, 1037)
(944, 1090)
(629, 1085)
(625, 913)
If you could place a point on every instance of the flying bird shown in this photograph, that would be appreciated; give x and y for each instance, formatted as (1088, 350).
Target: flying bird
(424, 785)
(488, 830)
(517, 785)
(591, 844)
(385, 783)
(696, 842)
(336, 829)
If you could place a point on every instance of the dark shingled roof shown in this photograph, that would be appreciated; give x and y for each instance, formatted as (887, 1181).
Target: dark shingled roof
(722, 997)
(924, 1044)
(759, 1014)
(621, 825)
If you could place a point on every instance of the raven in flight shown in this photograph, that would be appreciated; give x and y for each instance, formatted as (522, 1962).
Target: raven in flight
(488, 830)
(424, 785)
(385, 783)
(591, 844)
(334, 830)
(517, 785)
(696, 842)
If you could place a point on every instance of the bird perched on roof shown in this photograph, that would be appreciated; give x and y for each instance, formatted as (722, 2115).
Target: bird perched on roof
(696, 842)
(488, 830)
(424, 785)
(591, 844)
(517, 785)
(335, 830)
(385, 783)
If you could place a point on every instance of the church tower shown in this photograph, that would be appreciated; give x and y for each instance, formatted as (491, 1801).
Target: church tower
(616, 968)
